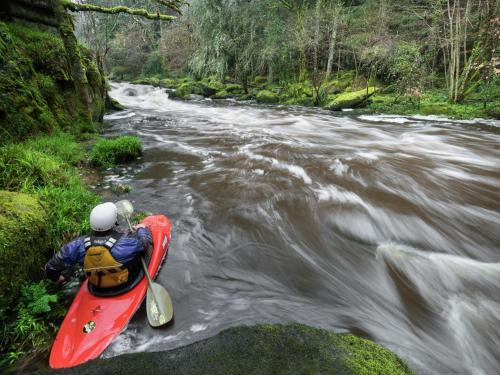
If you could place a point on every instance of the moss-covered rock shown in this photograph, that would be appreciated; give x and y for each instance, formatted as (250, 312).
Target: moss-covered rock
(234, 88)
(222, 94)
(203, 89)
(22, 226)
(263, 349)
(47, 80)
(183, 91)
(350, 99)
(267, 96)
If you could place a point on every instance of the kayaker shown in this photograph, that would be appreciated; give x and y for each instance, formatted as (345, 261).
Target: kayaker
(109, 258)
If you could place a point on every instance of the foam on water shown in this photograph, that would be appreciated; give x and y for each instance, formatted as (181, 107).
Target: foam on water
(383, 225)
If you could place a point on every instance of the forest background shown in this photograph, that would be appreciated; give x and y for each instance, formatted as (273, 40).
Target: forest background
(403, 56)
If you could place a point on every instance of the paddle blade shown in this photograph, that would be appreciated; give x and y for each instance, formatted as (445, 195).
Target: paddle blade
(125, 208)
(158, 305)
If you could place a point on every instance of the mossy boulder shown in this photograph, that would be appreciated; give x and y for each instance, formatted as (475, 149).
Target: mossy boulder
(222, 94)
(169, 83)
(23, 223)
(203, 89)
(183, 91)
(263, 349)
(351, 99)
(215, 87)
(267, 96)
(234, 88)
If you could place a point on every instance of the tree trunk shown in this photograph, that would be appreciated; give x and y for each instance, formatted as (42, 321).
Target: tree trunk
(331, 49)
(319, 5)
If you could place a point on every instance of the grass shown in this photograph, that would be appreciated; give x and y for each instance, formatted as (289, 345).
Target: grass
(109, 152)
(43, 204)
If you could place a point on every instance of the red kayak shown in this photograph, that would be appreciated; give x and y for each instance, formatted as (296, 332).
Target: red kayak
(93, 321)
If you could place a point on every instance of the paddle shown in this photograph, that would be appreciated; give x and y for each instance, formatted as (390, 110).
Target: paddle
(158, 302)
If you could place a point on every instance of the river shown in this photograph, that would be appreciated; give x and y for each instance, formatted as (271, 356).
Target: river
(384, 226)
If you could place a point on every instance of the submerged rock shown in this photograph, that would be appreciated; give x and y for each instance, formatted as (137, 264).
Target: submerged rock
(263, 349)
(351, 99)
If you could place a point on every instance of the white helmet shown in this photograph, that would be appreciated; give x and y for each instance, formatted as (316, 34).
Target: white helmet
(103, 217)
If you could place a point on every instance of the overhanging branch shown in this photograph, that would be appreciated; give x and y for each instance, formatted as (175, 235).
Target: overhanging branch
(76, 7)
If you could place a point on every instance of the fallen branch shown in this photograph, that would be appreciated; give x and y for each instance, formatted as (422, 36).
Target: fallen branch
(76, 7)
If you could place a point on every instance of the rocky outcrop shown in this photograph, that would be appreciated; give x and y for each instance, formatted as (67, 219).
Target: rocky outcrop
(263, 349)
(47, 80)
(351, 99)
(22, 226)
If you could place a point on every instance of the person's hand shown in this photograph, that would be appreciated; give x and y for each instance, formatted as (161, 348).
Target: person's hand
(61, 280)
(137, 226)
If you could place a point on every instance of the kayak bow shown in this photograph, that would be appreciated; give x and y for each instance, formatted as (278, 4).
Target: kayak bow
(93, 322)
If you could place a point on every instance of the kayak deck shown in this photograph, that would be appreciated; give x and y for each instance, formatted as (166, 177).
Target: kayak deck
(93, 322)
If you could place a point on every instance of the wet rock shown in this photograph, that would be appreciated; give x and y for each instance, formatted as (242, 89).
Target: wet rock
(351, 99)
(263, 349)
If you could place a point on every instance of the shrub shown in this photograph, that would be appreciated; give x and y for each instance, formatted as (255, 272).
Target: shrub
(34, 323)
(109, 152)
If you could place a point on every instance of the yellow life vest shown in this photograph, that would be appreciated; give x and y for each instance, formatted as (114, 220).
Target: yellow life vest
(100, 267)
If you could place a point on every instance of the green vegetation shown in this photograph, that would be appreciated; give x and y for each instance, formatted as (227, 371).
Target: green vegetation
(351, 99)
(302, 52)
(108, 152)
(35, 322)
(43, 204)
(38, 89)
(263, 349)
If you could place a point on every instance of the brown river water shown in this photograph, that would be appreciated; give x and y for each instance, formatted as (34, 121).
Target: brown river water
(384, 226)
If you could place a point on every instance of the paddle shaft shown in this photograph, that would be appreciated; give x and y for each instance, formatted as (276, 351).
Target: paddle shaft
(148, 277)
(143, 263)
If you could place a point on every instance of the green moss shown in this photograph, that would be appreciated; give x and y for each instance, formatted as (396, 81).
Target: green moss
(53, 209)
(431, 103)
(108, 152)
(263, 349)
(351, 99)
(203, 89)
(260, 81)
(267, 96)
(223, 94)
(22, 238)
(40, 88)
(364, 357)
(169, 83)
(234, 88)
(183, 91)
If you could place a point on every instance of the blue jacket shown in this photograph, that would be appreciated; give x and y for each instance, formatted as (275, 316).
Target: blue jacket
(124, 251)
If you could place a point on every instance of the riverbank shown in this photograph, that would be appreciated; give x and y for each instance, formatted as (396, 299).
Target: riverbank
(45, 202)
(337, 94)
(263, 349)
